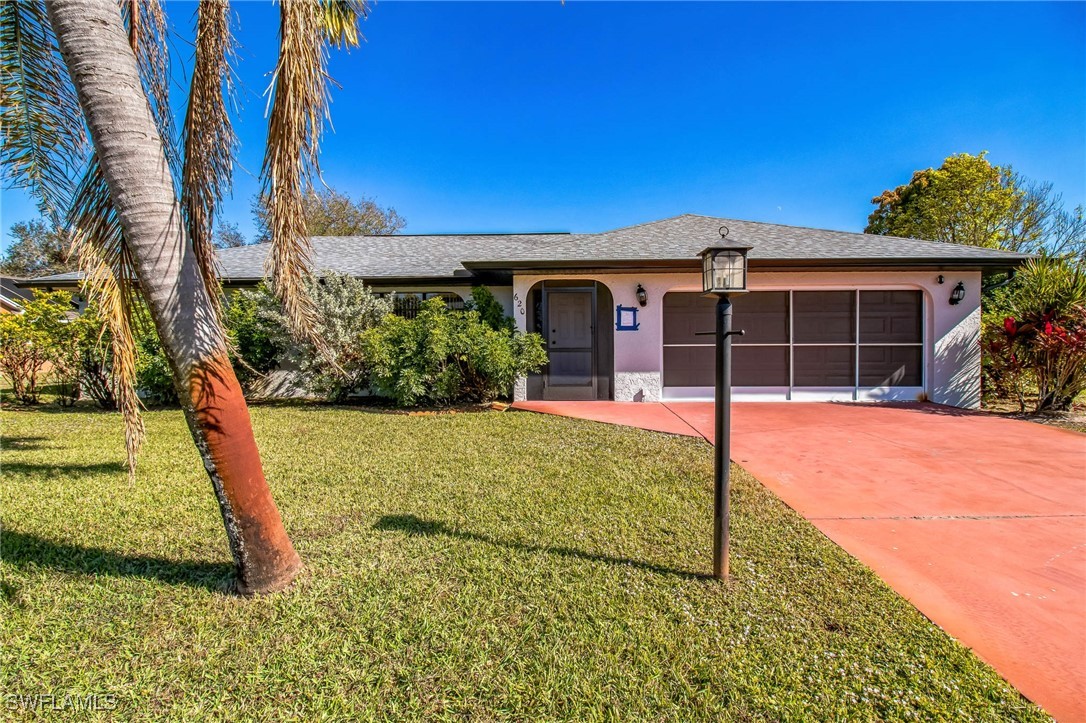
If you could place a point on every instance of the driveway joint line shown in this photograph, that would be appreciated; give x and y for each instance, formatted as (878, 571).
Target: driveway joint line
(678, 416)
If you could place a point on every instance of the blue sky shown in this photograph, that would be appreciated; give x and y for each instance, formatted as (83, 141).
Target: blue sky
(588, 116)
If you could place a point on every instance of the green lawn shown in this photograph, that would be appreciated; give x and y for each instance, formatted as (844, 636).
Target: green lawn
(492, 566)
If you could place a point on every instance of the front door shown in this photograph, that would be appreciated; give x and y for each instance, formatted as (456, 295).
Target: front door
(571, 334)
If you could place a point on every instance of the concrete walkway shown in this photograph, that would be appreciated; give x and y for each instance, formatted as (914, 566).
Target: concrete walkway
(979, 521)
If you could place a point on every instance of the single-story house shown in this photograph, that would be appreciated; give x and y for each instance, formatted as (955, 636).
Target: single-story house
(830, 315)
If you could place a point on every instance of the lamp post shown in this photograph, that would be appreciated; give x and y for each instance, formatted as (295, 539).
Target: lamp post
(724, 272)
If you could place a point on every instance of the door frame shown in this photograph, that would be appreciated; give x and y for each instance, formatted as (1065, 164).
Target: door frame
(565, 392)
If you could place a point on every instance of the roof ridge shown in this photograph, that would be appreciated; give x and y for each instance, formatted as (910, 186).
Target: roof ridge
(805, 228)
(431, 235)
(851, 233)
(638, 225)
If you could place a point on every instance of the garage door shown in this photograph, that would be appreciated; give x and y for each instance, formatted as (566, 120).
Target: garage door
(800, 344)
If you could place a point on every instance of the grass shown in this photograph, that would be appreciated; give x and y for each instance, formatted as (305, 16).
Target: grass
(492, 566)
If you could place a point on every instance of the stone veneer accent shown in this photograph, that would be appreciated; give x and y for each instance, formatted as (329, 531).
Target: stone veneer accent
(637, 386)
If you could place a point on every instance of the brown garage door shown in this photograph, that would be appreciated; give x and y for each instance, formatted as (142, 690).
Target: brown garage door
(800, 339)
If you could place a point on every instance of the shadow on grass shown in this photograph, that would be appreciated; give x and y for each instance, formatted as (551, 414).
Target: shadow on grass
(28, 469)
(22, 442)
(47, 407)
(26, 550)
(414, 525)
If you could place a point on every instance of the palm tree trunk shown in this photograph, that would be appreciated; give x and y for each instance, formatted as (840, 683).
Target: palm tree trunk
(103, 67)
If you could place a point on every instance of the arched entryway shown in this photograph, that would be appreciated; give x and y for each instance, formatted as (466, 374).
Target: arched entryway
(574, 318)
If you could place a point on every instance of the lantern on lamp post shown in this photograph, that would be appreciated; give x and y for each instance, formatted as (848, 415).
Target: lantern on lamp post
(724, 272)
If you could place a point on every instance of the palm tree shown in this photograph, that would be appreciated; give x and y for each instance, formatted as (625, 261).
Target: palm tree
(142, 210)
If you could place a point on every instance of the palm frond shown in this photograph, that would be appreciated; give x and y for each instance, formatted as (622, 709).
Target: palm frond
(109, 278)
(299, 108)
(97, 237)
(208, 139)
(339, 21)
(44, 139)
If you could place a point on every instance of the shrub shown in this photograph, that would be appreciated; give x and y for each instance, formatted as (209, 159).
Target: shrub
(255, 339)
(66, 354)
(444, 357)
(345, 310)
(96, 359)
(29, 341)
(154, 378)
(490, 309)
(1039, 344)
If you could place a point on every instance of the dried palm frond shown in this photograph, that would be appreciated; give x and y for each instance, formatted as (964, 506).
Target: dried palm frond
(299, 108)
(109, 278)
(208, 138)
(340, 21)
(44, 136)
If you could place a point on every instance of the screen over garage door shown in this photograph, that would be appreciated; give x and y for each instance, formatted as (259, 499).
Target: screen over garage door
(799, 341)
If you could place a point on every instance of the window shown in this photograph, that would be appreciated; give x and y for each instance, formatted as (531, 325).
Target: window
(407, 304)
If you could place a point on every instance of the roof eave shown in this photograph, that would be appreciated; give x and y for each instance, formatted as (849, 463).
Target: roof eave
(453, 280)
(990, 265)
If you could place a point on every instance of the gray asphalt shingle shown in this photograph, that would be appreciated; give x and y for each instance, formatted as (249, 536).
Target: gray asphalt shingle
(677, 239)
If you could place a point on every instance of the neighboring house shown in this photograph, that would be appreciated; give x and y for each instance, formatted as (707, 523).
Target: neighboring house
(12, 296)
(830, 315)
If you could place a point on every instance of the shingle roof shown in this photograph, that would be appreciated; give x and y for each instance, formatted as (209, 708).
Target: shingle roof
(401, 257)
(672, 241)
(682, 238)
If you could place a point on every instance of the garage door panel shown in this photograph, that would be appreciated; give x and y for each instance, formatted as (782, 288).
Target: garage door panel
(760, 366)
(890, 366)
(890, 317)
(824, 317)
(763, 317)
(824, 366)
(685, 315)
(689, 366)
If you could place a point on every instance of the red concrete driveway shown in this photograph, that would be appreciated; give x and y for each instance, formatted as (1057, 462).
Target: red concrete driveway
(979, 521)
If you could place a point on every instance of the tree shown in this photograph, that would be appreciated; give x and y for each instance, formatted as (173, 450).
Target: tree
(38, 250)
(139, 235)
(329, 212)
(227, 236)
(969, 201)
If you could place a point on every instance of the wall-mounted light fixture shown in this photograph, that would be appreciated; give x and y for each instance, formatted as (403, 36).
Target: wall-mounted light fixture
(642, 297)
(957, 294)
(939, 279)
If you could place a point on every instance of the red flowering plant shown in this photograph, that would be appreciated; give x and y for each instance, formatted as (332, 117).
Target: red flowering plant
(1059, 356)
(1039, 349)
(1006, 373)
(1045, 354)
